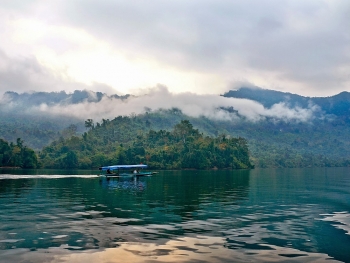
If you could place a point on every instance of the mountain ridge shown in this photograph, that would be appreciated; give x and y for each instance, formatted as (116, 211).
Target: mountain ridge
(338, 104)
(272, 141)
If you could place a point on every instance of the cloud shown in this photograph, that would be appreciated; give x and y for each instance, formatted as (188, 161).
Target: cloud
(296, 44)
(194, 105)
(23, 74)
(202, 46)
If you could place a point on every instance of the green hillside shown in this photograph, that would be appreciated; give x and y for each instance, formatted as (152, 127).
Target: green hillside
(125, 140)
(323, 140)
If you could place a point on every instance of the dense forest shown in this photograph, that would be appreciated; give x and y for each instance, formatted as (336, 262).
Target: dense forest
(121, 141)
(17, 155)
(291, 145)
(323, 140)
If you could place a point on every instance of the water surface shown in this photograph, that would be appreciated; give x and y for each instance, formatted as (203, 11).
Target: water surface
(267, 215)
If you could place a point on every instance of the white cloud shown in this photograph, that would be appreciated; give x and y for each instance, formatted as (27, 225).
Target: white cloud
(200, 46)
(74, 54)
(194, 105)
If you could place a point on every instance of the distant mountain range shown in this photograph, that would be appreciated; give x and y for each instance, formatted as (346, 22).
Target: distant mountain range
(272, 142)
(338, 105)
(52, 98)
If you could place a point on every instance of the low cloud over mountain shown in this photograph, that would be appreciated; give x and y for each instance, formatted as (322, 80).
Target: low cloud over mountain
(86, 104)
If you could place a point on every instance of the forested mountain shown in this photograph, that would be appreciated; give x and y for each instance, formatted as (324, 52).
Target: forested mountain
(22, 116)
(271, 144)
(37, 130)
(122, 141)
(321, 139)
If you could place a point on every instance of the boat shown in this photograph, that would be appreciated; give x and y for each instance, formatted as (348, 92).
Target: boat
(125, 170)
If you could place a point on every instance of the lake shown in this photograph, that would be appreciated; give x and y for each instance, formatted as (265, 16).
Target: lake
(260, 215)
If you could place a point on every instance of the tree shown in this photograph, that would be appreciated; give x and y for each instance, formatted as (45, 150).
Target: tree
(184, 129)
(71, 160)
(89, 124)
(17, 155)
(69, 131)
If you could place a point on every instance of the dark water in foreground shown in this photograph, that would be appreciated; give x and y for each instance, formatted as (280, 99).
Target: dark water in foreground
(287, 215)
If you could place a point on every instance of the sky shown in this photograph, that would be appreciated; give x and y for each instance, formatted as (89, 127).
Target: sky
(192, 47)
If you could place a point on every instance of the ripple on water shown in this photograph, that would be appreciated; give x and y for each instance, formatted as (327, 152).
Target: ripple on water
(122, 222)
(180, 250)
(340, 220)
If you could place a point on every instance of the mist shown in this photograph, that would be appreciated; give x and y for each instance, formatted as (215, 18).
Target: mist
(213, 107)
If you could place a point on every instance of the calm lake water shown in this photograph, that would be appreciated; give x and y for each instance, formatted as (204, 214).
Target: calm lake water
(267, 215)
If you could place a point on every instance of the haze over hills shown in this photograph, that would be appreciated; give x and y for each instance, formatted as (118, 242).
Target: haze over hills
(281, 128)
(52, 98)
(338, 105)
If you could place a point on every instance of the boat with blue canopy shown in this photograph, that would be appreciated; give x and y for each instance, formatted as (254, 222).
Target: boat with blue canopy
(125, 170)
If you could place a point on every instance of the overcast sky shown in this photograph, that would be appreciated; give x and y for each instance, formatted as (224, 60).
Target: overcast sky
(197, 46)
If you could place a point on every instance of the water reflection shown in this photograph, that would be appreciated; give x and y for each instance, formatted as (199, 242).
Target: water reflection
(182, 250)
(131, 184)
(16, 187)
(99, 213)
(179, 216)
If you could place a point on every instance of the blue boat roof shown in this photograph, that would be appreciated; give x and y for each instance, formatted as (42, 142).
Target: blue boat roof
(123, 166)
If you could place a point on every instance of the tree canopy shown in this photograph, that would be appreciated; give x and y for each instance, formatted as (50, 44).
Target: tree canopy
(122, 141)
(17, 155)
